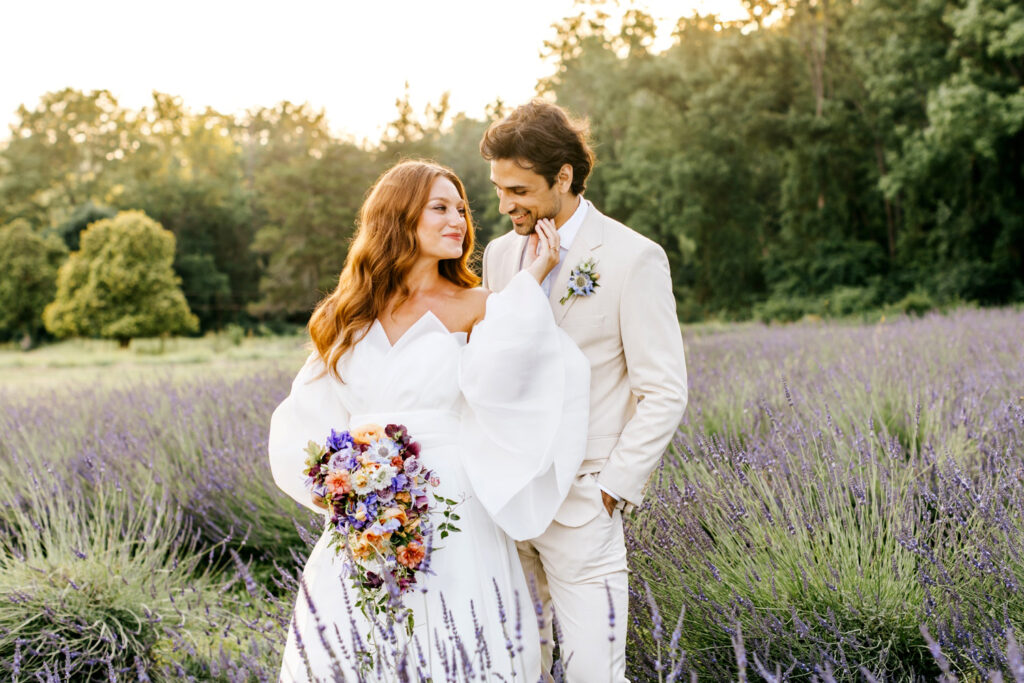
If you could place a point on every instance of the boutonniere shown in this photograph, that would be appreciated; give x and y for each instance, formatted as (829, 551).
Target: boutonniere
(583, 280)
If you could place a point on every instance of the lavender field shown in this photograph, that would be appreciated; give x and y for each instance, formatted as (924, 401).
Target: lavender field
(842, 502)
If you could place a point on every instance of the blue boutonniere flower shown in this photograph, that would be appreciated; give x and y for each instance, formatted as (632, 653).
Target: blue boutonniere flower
(583, 280)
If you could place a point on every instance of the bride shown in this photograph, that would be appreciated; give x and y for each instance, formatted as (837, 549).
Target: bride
(496, 395)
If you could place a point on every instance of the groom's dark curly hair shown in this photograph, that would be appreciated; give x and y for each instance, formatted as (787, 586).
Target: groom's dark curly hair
(542, 137)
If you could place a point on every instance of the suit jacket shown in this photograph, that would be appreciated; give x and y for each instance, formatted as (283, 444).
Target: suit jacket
(629, 331)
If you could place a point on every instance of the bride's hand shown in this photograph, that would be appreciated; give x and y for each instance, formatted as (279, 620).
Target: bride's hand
(543, 248)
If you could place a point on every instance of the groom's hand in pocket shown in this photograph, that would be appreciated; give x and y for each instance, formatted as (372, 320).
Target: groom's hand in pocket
(609, 503)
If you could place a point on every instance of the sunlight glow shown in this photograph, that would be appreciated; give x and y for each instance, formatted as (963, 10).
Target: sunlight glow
(352, 59)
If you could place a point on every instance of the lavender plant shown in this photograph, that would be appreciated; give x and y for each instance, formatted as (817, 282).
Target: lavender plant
(833, 489)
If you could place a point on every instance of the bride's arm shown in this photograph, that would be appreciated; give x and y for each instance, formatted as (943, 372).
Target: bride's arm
(526, 388)
(309, 413)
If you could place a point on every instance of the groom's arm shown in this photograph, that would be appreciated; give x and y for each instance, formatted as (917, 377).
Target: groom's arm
(653, 347)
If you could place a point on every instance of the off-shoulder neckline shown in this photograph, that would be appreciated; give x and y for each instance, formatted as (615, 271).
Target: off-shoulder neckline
(426, 314)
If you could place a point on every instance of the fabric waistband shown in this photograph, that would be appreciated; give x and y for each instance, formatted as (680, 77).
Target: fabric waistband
(428, 427)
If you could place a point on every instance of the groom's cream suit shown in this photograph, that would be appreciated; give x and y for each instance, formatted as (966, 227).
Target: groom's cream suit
(629, 332)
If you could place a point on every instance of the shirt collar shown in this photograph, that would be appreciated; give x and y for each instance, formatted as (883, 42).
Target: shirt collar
(567, 233)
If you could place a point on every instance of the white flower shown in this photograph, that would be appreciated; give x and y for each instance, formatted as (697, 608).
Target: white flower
(382, 451)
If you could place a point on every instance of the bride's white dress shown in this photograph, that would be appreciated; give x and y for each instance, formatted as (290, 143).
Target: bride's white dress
(502, 420)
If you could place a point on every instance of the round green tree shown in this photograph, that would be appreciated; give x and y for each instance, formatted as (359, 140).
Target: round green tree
(28, 277)
(120, 284)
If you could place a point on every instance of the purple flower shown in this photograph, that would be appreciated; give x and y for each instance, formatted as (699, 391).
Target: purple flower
(338, 441)
(413, 466)
(397, 433)
(344, 459)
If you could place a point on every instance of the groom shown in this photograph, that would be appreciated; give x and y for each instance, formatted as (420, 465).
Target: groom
(621, 312)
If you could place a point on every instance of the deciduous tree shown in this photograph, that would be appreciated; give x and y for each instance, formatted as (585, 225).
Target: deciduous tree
(121, 284)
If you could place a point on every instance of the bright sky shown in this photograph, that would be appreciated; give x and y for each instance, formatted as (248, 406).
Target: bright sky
(350, 58)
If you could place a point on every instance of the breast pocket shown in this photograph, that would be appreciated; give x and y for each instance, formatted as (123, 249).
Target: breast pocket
(586, 329)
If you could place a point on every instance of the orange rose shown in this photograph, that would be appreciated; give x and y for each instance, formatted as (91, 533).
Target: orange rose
(338, 483)
(373, 539)
(367, 434)
(411, 555)
(395, 513)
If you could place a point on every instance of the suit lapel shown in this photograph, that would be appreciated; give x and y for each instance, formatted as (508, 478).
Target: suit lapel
(506, 261)
(588, 239)
(512, 260)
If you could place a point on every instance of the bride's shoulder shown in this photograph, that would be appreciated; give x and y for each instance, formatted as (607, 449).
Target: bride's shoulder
(473, 302)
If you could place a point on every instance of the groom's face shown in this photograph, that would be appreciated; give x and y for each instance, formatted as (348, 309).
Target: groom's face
(525, 196)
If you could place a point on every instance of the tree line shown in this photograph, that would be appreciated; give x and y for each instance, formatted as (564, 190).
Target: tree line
(819, 156)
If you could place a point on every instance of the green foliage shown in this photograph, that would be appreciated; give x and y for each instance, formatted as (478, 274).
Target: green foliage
(871, 144)
(916, 303)
(80, 219)
(310, 204)
(28, 277)
(60, 155)
(187, 173)
(120, 284)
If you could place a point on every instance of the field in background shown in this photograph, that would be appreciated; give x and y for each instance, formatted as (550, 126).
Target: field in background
(833, 489)
(87, 361)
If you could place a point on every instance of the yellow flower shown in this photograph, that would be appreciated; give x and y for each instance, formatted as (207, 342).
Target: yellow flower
(360, 548)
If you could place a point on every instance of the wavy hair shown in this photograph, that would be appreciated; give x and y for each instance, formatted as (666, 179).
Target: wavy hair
(542, 137)
(382, 253)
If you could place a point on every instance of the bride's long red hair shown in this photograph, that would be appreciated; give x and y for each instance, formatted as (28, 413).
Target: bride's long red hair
(382, 253)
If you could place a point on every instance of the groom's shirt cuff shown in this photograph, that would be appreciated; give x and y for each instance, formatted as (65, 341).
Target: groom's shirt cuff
(616, 497)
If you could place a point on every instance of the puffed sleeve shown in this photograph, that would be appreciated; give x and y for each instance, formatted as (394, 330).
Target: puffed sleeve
(524, 425)
(309, 413)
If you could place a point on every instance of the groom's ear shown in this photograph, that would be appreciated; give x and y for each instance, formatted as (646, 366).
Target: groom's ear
(564, 178)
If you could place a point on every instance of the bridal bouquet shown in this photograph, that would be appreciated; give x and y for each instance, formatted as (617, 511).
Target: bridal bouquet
(381, 500)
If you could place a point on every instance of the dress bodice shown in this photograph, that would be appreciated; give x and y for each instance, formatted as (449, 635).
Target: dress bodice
(418, 372)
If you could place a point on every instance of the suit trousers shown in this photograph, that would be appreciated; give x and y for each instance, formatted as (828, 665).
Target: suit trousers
(580, 573)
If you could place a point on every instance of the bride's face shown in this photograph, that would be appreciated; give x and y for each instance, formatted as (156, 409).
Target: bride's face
(442, 226)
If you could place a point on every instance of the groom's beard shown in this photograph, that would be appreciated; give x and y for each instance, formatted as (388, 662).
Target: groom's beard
(529, 225)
